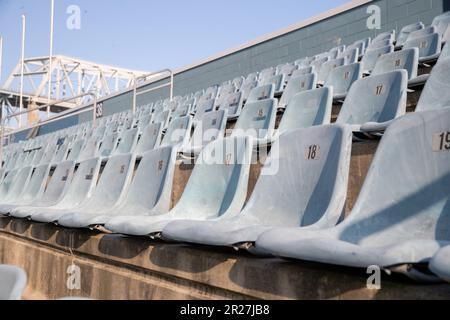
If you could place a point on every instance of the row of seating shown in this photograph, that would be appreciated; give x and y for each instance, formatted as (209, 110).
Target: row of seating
(296, 208)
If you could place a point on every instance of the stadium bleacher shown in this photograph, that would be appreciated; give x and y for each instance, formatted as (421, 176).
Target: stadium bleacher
(118, 174)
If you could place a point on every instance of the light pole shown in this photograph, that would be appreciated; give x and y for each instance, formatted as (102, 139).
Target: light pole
(50, 62)
(22, 68)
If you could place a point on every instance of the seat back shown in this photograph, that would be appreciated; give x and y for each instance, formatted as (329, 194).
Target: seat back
(257, 119)
(211, 128)
(370, 58)
(436, 93)
(218, 183)
(342, 78)
(377, 98)
(407, 59)
(307, 109)
(429, 45)
(395, 202)
(150, 138)
(13, 281)
(310, 184)
(178, 131)
(59, 182)
(406, 30)
(298, 84)
(261, 93)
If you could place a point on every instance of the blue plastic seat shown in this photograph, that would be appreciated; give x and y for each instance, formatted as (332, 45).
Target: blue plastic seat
(13, 281)
(429, 46)
(400, 218)
(371, 57)
(440, 263)
(342, 78)
(261, 93)
(217, 187)
(406, 30)
(297, 84)
(307, 109)
(373, 102)
(307, 190)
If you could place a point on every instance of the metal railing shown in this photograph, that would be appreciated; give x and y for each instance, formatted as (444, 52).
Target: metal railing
(57, 117)
(145, 76)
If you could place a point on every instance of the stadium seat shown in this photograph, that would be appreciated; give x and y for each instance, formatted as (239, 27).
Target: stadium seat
(370, 58)
(127, 141)
(297, 84)
(407, 59)
(178, 132)
(389, 35)
(373, 102)
(237, 82)
(307, 191)
(81, 188)
(217, 187)
(342, 78)
(445, 53)
(31, 191)
(212, 127)
(350, 55)
(162, 117)
(423, 32)
(436, 93)
(233, 105)
(278, 82)
(261, 93)
(150, 139)
(405, 32)
(13, 281)
(14, 183)
(55, 190)
(74, 151)
(7, 183)
(265, 74)
(257, 120)
(109, 192)
(399, 218)
(247, 88)
(108, 145)
(307, 109)
(302, 71)
(379, 44)
(149, 192)
(440, 263)
(429, 46)
(286, 70)
(327, 67)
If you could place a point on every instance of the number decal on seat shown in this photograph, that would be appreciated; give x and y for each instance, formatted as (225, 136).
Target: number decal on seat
(441, 141)
(312, 152)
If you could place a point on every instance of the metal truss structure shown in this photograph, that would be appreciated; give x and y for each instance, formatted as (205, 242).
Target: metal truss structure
(46, 81)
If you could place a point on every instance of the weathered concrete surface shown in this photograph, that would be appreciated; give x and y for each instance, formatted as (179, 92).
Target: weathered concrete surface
(117, 267)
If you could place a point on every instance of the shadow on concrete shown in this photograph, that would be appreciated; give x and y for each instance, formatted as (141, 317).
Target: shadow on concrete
(19, 225)
(43, 231)
(123, 247)
(286, 279)
(186, 258)
(4, 221)
(73, 238)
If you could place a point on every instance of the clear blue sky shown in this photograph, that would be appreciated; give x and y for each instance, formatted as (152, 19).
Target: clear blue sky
(147, 35)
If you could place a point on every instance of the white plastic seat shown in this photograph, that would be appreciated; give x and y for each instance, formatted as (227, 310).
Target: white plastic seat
(217, 187)
(232, 104)
(350, 55)
(13, 281)
(373, 102)
(406, 30)
(429, 46)
(257, 120)
(297, 84)
(150, 191)
(178, 132)
(81, 188)
(278, 82)
(342, 78)
(436, 93)
(307, 109)
(371, 57)
(212, 127)
(287, 70)
(31, 191)
(109, 192)
(261, 93)
(327, 67)
(150, 138)
(54, 191)
(407, 59)
(13, 185)
(308, 191)
(400, 218)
